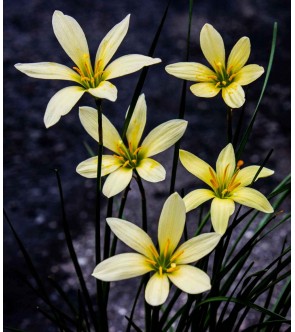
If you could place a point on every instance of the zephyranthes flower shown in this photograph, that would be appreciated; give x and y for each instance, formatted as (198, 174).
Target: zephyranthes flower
(168, 263)
(226, 77)
(228, 185)
(94, 80)
(133, 155)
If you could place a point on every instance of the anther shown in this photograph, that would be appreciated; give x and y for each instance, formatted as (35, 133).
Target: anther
(175, 256)
(240, 163)
(231, 188)
(126, 163)
(224, 173)
(151, 261)
(137, 150)
(229, 69)
(217, 84)
(232, 76)
(166, 247)
(213, 77)
(154, 251)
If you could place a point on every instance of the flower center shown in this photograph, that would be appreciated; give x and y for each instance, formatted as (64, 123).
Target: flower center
(224, 186)
(129, 157)
(224, 77)
(165, 261)
(90, 79)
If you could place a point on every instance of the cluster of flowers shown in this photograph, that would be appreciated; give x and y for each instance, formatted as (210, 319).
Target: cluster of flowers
(228, 183)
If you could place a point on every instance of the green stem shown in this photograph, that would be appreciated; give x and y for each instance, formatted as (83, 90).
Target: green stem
(229, 125)
(98, 180)
(143, 201)
(120, 214)
(99, 285)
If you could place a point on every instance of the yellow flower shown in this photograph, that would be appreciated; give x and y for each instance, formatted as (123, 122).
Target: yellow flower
(168, 263)
(228, 185)
(132, 155)
(229, 78)
(94, 80)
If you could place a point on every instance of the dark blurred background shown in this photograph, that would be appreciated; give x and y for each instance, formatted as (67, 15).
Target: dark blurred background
(32, 151)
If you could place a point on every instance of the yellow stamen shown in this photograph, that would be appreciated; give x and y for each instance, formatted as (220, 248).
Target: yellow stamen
(229, 69)
(134, 161)
(126, 163)
(175, 256)
(217, 84)
(119, 157)
(213, 77)
(213, 180)
(224, 191)
(224, 173)
(151, 261)
(232, 76)
(160, 271)
(78, 71)
(154, 251)
(166, 247)
(231, 188)
(240, 163)
(88, 69)
(84, 78)
(171, 269)
(121, 151)
(136, 151)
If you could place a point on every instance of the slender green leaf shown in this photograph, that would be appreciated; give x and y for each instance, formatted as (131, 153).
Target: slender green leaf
(245, 137)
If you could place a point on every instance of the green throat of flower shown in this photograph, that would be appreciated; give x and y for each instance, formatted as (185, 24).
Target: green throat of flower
(89, 78)
(224, 77)
(129, 157)
(165, 262)
(224, 186)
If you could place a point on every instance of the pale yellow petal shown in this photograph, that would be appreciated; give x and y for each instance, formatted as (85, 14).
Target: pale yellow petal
(48, 71)
(196, 166)
(105, 90)
(88, 168)
(162, 137)
(122, 266)
(248, 74)
(111, 42)
(61, 104)
(252, 198)
(205, 90)
(212, 46)
(221, 210)
(89, 120)
(196, 248)
(157, 290)
(233, 95)
(171, 223)
(197, 197)
(239, 55)
(190, 279)
(226, 163)
(137, 122)
(117, 181)
(132, 235)
(128, 64)
(150, 170)
(247, 174)
(190, 71)
(72, 39)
